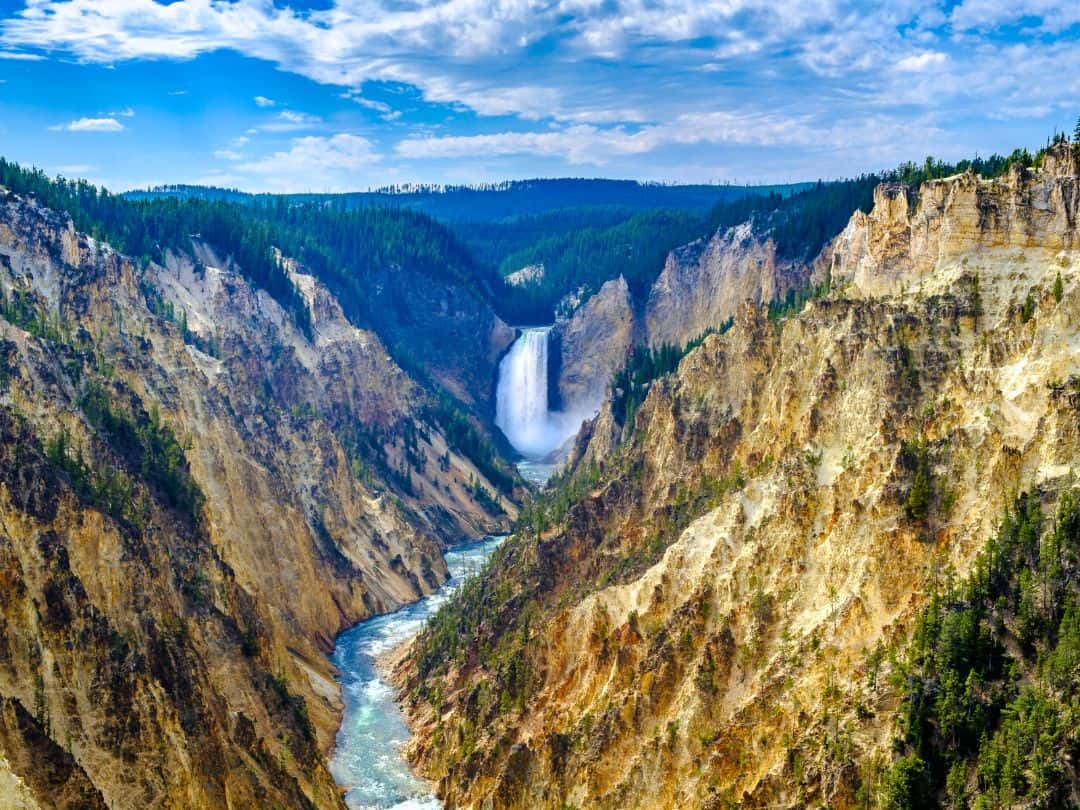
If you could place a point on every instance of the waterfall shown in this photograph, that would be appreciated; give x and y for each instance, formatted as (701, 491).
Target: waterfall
(521, 400)
(521, 404)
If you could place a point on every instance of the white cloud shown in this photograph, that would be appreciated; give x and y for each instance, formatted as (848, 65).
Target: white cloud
(228, 154)
(314, 162)
(585, 143)
(988, 15)
(598, 146)
(918, 62)
(618, 78)
(474, 52)
(481, 43)
(127, 112)
(385, 111)
(90, 125)
(20, 57)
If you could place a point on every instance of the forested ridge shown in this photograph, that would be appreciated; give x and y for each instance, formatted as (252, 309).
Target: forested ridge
(341, 246)
(584, 259)
(144, 230)
(584, 232)
(496, 202)
(578, 261)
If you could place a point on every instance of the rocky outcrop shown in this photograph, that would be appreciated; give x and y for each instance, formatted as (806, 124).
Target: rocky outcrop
(195, 498)
(593, 345)
(904, 240)
(529, 274)
(704, 283)
(688, 624)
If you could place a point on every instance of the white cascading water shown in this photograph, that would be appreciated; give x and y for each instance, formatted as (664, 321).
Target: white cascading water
(521, 407)
(521, 400)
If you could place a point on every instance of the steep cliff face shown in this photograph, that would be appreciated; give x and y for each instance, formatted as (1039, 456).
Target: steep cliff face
(593, 344)
(699, 289)
(446, 331)
(704, 283)
(195, 499)
(903, 241)
(686, 623)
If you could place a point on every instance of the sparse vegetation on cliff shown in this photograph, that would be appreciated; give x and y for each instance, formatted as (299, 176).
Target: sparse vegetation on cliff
(646, 364)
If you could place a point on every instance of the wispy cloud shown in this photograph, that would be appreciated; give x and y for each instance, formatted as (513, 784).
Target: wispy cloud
(20, 56)
(290, 121)
(598, 81)
(385, 111)
(587, 144)
(988, 15)
(314, 162)
(90, 125)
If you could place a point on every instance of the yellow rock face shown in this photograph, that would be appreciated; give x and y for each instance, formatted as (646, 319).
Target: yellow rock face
(699, 622)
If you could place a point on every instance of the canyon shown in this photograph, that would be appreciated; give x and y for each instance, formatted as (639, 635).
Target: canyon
(218, 512)
(165, 636)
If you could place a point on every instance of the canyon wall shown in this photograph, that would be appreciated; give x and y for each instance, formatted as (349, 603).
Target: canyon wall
(699, 289)
(689, 622)
(704, 283)
(593, 344)
(196, 498)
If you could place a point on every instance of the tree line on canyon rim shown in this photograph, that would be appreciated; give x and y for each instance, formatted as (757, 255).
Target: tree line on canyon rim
(345, 242)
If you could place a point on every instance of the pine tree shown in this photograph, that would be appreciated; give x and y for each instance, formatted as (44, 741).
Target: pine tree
(1059, 288)
(918, 502)
(1027, 311)
(1076, 146)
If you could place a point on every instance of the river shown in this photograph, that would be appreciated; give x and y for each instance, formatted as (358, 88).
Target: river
(367, 759)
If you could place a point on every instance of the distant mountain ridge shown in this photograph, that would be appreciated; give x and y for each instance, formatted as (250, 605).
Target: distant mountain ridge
(499, 201)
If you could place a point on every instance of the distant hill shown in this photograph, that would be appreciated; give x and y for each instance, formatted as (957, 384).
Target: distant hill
(504, 200)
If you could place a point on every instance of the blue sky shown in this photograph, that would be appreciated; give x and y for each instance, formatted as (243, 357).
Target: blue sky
(335, 95)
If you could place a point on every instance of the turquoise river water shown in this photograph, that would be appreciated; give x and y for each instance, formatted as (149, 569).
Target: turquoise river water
(367, 759)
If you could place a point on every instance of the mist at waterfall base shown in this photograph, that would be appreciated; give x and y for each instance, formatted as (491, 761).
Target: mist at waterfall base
(521, 407)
